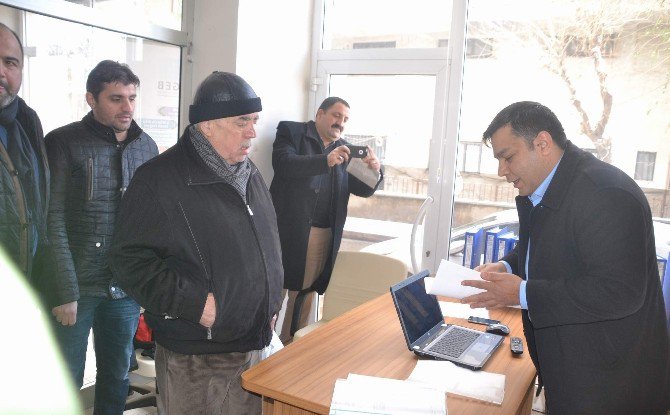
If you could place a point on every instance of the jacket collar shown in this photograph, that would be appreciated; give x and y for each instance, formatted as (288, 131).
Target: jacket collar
(564, 176)
(197, 172)
(108, 132)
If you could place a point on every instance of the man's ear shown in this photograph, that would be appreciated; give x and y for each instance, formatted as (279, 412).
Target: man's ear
(205, 128)
(544, 142)
(90, 100)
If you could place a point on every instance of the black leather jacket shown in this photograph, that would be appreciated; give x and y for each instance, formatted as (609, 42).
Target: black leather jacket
(90, 171)
(184, 232)
(14, 235)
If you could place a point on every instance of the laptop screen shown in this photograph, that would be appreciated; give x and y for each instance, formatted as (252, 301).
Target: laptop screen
(418, 311)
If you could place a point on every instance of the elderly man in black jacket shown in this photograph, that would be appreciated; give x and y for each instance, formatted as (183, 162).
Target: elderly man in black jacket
(197, 246)
(92, 162)
(310, 190)
(24, 172)
(584, 272)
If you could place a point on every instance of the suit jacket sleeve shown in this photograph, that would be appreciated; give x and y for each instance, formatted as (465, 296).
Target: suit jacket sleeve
(141, 261)
(64, 284)
(286, 158)
(611, 244)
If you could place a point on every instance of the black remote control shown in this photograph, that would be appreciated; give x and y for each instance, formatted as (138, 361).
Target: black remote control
(484, 321)
(516, 345)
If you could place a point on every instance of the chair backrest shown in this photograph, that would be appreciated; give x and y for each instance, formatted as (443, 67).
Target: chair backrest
(357, 278)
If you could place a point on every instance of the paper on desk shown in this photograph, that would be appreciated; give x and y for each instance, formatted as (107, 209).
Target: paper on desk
(459, 310)
(372, 395)
(448, 280)
(448, 377)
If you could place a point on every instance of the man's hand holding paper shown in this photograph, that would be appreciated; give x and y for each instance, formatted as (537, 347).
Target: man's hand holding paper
(500, 288)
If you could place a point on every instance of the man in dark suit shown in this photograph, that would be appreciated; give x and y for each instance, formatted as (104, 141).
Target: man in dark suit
(310, 191)
(584, 271)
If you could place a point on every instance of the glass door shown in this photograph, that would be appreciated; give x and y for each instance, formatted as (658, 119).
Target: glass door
(397, 110)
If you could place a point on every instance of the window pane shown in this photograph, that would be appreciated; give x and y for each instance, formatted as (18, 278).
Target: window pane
(399, 131)
(472, 154)
(166, 13)
(63, 55)
(348, 24)
(644, 168)
(602, 66)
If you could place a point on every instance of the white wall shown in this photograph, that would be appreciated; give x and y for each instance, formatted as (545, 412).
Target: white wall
(273, 55)
(268, 43)
(214, 39)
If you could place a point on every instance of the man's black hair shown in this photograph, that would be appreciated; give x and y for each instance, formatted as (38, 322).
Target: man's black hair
(4, 26)
(527, 120)
(330, 101)
(109, 72)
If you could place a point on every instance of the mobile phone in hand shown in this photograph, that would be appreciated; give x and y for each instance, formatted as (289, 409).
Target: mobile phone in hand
(358, 151)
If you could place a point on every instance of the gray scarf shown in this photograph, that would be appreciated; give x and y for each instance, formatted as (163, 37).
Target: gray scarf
(236, 175)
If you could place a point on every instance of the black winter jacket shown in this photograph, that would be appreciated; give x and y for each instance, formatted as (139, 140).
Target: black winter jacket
(300, 163)
(14, 234)
(182, 233)
(90, 171)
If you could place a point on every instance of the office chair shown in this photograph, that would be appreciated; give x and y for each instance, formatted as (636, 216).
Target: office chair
(357, 278)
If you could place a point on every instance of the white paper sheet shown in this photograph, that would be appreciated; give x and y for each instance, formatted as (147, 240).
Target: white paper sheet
(458, 310)
(448, 280)
(448, 377)
(360, 394)
(362, 172)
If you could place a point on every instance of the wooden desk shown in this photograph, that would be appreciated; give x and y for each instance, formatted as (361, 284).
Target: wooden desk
(368, 340)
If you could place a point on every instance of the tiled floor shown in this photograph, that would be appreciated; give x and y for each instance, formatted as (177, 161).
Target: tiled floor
(139, 380)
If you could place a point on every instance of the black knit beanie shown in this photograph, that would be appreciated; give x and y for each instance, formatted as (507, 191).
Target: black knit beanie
(222, 95)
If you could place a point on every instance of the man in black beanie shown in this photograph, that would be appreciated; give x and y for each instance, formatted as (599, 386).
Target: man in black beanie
(24, 171)
(197, 246)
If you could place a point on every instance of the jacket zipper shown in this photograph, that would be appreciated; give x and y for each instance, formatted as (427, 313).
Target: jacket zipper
(260, 249)
(89, 179)
(202, 261)
(247, 204)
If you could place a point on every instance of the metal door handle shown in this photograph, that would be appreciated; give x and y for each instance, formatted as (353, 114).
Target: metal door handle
(419, 216)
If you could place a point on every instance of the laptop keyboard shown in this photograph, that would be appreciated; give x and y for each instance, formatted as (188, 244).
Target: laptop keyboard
(454, 343)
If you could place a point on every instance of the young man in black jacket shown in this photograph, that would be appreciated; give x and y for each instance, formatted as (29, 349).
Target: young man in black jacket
(197, 246)
(92, 162)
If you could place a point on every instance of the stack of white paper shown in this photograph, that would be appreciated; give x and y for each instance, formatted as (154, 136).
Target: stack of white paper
(372, 395)
(448, 377)
(448, 280)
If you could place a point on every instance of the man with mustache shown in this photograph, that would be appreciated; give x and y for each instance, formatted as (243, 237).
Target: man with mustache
(24, 172)
(197, 246)
(310, 191)
(92, 162)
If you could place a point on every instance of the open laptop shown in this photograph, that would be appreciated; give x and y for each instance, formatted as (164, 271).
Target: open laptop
(427, 334)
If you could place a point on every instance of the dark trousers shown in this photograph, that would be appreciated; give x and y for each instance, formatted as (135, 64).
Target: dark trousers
(207, 384)
(114, 323)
